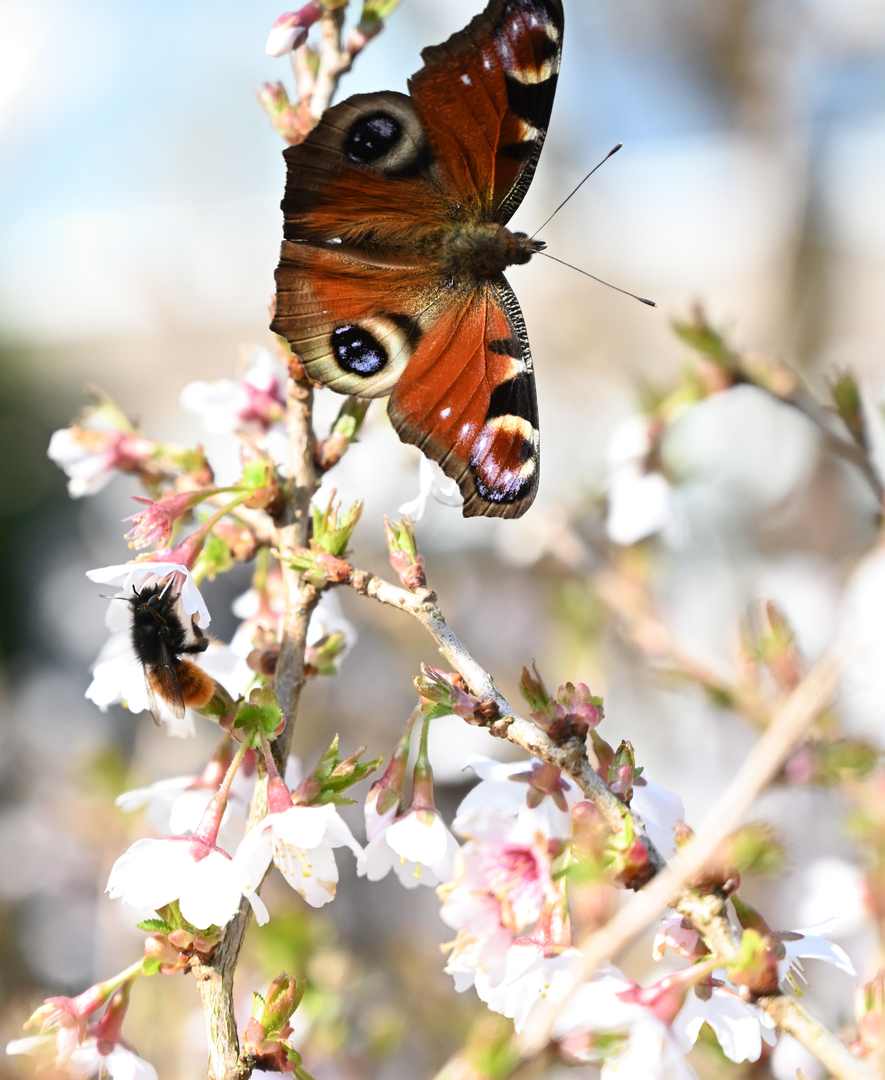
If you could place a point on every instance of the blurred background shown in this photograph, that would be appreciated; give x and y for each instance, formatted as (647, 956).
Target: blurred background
(139, 229)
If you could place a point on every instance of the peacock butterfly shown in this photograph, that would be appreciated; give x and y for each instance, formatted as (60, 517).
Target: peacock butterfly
(391, 272)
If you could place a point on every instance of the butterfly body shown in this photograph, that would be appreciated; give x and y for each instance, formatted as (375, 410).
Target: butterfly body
(391, 278)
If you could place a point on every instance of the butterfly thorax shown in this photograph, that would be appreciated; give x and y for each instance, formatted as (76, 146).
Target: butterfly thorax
(470, 250)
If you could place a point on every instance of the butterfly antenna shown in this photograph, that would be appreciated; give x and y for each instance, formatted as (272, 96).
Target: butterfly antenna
(562, 262)
(613, 150)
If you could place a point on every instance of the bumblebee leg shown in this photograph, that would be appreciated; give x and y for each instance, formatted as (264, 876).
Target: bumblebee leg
(202, 642)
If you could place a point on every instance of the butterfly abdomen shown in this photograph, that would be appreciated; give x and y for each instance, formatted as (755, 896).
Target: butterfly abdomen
(479, 250)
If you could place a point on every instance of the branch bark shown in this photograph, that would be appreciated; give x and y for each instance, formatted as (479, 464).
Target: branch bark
(570, 756)
(214, 978)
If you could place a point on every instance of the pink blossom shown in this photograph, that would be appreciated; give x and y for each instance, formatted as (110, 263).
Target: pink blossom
(674, 933)
(90, 456)
(154, 525)
(502, 881)
(252, 404)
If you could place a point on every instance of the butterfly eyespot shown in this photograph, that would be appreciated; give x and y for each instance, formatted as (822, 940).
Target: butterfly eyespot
(371, 137)
(357, 351)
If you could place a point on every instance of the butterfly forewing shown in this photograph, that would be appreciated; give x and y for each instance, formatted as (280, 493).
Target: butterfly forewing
(485, 96)
(365, 177)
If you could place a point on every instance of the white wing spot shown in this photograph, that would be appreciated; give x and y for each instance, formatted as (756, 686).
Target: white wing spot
(445, 413)
(466, 80)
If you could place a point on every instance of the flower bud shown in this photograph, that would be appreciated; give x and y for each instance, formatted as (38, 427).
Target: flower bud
(294, 122)
(290, 29)
(434, 686)
(344, 431)
(622, 772)
(404, 557)
(332, 529)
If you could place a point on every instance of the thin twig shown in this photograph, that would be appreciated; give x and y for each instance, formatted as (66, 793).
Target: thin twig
(570, 756)
(334, 61)
(849, 450)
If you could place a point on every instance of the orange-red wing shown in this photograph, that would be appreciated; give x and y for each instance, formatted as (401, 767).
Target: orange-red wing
(354, 325)
(366, 177)
(467, 399)
(484, 99)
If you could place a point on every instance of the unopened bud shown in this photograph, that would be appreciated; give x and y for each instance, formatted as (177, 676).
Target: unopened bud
(622, 772)
(404, 557)
(290, 29)
(433, 686)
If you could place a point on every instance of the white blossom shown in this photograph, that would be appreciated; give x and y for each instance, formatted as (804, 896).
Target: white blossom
(119, 1063)
(422, 848)
(89, 464)
(300, 841)
(640, 500)
(86, 1060)
(175, 806)
(739, 1027)
(529, 977)
(143, 574)
(253, 405)
(661, 811)
(505, 789)
(814, 945)
(205, 881)
(432, 482)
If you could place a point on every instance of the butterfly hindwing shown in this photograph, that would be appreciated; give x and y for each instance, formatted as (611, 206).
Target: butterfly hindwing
(484, 98)
(467, 400)
(355, 326)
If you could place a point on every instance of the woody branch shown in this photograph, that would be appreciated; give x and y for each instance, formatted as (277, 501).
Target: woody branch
(214, 977)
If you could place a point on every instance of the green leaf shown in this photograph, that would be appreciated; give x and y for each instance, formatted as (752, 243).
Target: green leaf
(701, 337)
(155, 926)
(215, 558)
(333, 775)
(259, 717)
(150, 967)
(257, 473)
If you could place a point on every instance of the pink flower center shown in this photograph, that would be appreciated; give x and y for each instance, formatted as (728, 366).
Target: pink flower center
(265, 405)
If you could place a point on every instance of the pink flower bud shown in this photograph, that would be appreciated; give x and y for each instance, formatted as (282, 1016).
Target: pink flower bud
(290, 29)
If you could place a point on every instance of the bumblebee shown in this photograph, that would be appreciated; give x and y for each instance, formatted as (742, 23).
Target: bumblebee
(159, 640)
